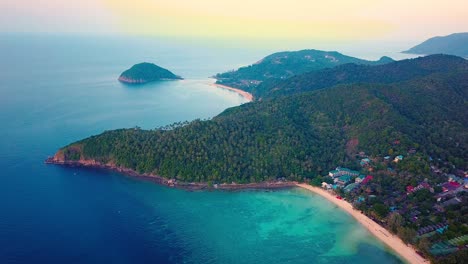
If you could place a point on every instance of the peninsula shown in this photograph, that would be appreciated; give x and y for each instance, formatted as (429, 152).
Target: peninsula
(282, 65)
(146, 72)
(454, 44)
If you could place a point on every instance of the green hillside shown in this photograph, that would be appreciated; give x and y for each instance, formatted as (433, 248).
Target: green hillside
(416, 110)
(146, 72)
(283, 65)
(298, 136)
(352, 73)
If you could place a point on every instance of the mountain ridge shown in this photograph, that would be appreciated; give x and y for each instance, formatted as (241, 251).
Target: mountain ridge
(453, 44)
(353, 73)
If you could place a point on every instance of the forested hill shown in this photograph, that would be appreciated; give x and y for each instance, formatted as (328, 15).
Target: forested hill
(298, 136)
(146, 72)
(352, 73)
(283, 65)
(454, 44)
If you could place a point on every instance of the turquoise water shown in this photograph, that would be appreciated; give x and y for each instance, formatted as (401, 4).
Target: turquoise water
(55, 90)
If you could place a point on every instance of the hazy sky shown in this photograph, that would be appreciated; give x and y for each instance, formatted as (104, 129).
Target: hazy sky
(328, 20)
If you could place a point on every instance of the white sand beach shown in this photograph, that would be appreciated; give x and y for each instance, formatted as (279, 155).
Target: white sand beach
(244, 94)
(405, 251)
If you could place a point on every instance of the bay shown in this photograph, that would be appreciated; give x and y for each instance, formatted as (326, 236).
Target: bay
(58, 89)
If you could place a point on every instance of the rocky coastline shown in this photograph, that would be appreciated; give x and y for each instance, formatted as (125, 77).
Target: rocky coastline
(146, 72)
(126, 80)
(190, 186)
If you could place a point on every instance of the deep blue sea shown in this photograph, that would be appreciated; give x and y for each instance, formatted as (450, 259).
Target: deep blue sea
(57, 89)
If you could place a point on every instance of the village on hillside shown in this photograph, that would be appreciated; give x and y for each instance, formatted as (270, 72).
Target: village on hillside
(423, 209)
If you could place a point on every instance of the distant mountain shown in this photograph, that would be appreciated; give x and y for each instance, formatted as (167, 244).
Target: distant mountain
(454, 44)
(146, 72)
(283, 65)
(351, 73)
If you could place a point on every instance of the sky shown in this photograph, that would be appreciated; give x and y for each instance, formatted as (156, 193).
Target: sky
(256, 20)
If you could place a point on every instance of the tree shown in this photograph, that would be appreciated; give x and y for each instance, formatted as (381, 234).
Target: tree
(424, 244)
(406, 234)
(317, 181)
(380, 209)
(395, 220)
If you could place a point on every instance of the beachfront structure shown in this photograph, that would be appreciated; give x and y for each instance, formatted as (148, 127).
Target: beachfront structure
(431, 230)
(360, 178)
(442, 248)
(398, 158)
(365, 162)
(351, 187)
(422, 185)
(409, 189)
(327, 186)
(334, 173)
(360, 199)
(367, 179)
(453, 178)
(449, 246)
(450, 186)
(342, 172)
(342, 180)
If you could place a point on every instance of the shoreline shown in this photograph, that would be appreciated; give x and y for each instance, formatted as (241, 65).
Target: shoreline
(242, 93)
(188, 186)
(405, 251)
(131, 81)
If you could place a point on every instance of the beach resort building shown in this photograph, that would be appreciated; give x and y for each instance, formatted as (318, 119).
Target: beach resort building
(360, 178)
(422, 185)
(342, 180)
(365, 162)
(431, 230)
(398, 158)
(367, 179)
(342, 172)
(351, 187)
(453, 178)
(327, 186)
(449, 246)
(450, 186)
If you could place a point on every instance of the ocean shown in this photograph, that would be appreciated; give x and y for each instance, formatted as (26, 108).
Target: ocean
(58, 89)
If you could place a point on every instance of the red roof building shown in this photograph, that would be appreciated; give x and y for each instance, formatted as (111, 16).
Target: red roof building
(450, 186)
(367, 179)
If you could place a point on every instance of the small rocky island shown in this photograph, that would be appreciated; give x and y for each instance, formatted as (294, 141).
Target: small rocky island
(146, 72)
